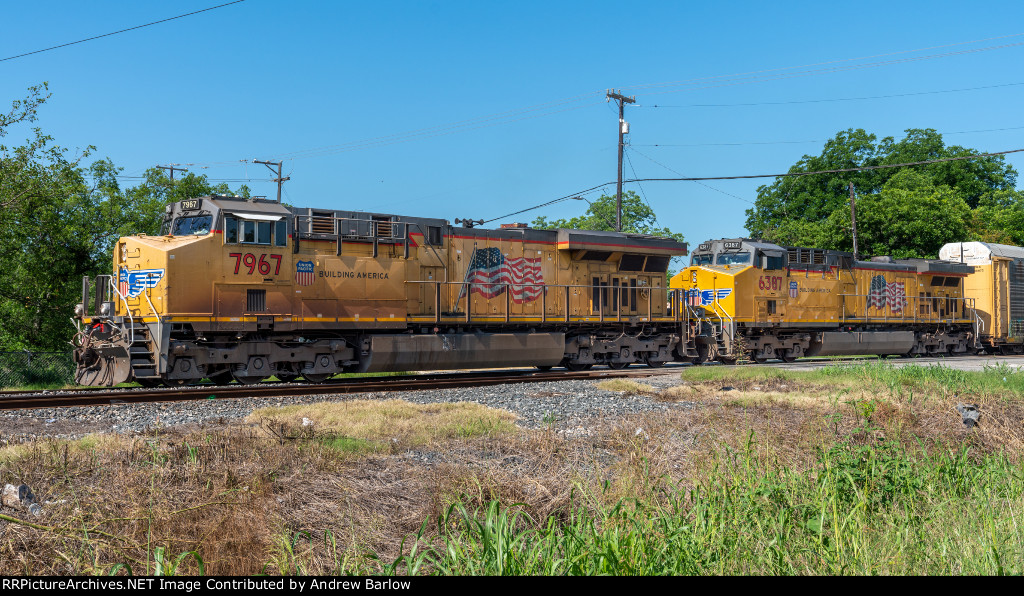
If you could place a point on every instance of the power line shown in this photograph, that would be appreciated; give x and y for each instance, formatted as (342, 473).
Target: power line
(71, 43)
(956, 132)
(834, 99)
(784, 76)
(708, 186)
(790, 174)
(839, 171)
(762, 72)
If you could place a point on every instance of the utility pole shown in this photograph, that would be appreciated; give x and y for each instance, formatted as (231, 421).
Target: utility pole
(280, 181)
(172, 169)
(623, 130)
(853, 220)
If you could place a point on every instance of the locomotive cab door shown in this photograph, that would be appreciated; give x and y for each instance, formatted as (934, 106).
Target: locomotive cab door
(432, 291)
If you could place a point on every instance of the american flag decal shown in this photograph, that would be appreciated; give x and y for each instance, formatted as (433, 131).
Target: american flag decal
(693, 297)
(304, 273)
(896, 293)
(877, 293)
(489, 271)
(132, 283)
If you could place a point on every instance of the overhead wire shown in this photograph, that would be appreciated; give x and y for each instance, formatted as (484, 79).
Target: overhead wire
(758, 73)
(708, 186)
(788, 174)
(71, 43)
(956, 132)
(834, 99)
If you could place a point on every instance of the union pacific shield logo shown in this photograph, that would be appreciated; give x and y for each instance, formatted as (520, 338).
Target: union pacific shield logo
(304, 273)
(132, 283)
(792, 289)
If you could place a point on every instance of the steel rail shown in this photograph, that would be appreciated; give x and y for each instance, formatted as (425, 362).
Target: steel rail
(52, 399)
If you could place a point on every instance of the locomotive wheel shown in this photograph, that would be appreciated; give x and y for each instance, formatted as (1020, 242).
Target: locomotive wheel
(320, 378)
(758, 359)
(654, 363)
(618, 365)
(787, 356)
(576, 366)
(727, 360)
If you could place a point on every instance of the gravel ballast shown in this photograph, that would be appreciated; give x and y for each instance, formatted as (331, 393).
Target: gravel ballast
(566, 406)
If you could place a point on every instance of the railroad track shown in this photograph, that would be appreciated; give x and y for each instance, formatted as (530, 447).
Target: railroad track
(20, 400)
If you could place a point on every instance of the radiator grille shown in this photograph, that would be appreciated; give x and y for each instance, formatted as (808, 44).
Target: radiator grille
(255, 300)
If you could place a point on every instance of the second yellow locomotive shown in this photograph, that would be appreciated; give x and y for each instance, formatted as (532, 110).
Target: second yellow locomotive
(748, 298)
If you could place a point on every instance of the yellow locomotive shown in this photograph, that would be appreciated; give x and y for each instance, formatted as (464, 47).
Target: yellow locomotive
(748, 298)
(244, 289)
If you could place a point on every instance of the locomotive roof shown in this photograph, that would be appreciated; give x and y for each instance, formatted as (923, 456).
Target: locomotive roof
(254, 205)
(824, 257)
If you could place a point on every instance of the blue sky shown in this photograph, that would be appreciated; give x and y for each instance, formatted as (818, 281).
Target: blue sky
(476, 109)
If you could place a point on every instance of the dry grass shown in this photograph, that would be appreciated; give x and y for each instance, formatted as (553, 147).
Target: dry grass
(627, 387)
(280, 496)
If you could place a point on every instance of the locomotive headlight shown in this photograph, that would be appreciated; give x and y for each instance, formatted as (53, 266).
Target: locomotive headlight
(106, 309)
(79, 310)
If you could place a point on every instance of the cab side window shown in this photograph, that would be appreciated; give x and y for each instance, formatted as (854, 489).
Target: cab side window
(242, 231)
(230, 230)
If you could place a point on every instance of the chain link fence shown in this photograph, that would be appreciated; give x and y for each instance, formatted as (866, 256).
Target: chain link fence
(18, 369)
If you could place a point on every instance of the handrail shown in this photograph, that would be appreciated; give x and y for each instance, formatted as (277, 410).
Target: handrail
(913, 304)
(542, 300)
(127, 310)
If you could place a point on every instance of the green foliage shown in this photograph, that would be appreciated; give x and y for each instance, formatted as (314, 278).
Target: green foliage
(637, 218)
(909, 217)
(59, 220)
(860, 509)
(901, 212)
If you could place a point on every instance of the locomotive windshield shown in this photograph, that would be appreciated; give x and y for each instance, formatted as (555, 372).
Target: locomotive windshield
(196, 225)
(733, 258)
(701, 259)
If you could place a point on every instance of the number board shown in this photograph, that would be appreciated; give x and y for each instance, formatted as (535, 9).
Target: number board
(732, 244)
(704, 246)
(191, 204)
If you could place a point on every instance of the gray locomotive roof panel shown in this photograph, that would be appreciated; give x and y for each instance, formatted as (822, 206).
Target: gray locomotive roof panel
(618, 242)
(240, 205)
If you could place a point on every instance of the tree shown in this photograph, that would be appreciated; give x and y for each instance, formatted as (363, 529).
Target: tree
(637, 218)
(814, 198)
(911, 217)
(59, 221)
(901, 212)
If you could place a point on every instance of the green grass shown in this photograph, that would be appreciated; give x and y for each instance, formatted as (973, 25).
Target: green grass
(1000, 381)
(863, 510)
